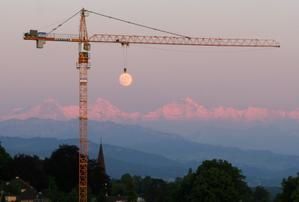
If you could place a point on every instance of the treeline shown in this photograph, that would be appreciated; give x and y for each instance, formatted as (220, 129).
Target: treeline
(213, 181)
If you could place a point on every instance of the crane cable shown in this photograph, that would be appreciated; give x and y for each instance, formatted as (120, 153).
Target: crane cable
(125, 55)
(118, 19)
(137, 24)
(64, 22)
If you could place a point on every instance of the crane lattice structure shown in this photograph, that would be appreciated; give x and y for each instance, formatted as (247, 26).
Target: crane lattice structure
(83, 65)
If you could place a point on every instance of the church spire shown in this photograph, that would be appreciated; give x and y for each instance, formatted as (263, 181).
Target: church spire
(101, 159)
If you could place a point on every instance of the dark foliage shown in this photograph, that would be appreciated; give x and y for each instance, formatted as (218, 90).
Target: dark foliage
(30, 169)
(213, 181)
(156, 190)
(99, 182)
(260, 194)
(63, 167)
(290, 190)
(126, 186)
(5, 164)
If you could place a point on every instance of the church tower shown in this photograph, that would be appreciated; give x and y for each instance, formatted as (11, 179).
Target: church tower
(101, 160)
(104, 179)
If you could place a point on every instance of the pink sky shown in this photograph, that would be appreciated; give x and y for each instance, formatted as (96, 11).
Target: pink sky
(237, 78)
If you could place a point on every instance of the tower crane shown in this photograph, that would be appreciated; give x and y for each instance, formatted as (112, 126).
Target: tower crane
(83, 65)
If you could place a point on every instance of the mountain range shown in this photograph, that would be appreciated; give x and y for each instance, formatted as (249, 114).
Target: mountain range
(185, 109)
(249, 128)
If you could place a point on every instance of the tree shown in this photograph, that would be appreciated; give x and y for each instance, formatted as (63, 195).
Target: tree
(154, 190)
(118, 188)
(130, 187)
(73, 195)
(30, 169)
(215, 181)
(5, 164)
(54, 194)
(260, 194)
(290, 190)
(52, 191)
(99, 182)
(63, 167)
(185, 186)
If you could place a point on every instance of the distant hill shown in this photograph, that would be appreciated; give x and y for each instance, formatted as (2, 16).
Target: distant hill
(119, 160)
(280, 136)
(142, 151)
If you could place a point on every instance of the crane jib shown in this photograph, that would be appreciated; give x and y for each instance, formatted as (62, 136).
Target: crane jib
(157, 40)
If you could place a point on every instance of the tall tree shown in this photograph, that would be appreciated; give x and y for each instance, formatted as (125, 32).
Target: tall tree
(215, 181)
(30, 169)
(185, 186)
(260, 194)
(63, 167)
(290, 190)
(5, 164)
(130, 187)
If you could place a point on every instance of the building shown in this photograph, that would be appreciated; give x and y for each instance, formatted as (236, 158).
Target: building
(117, 199)
(18, 190)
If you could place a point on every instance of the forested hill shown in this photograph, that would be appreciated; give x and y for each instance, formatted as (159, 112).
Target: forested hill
(255, 164)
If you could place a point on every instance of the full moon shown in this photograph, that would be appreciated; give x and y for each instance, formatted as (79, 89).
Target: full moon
(125, 79)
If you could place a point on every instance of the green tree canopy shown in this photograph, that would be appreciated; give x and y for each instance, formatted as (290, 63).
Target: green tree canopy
(63, 167)
(5, 163)
(156, 190)
(31, 169)
(215, 181)
(260, 194)
(290, 190)
(130, 187)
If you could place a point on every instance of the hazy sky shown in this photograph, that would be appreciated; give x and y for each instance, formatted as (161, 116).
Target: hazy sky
(213, 76)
